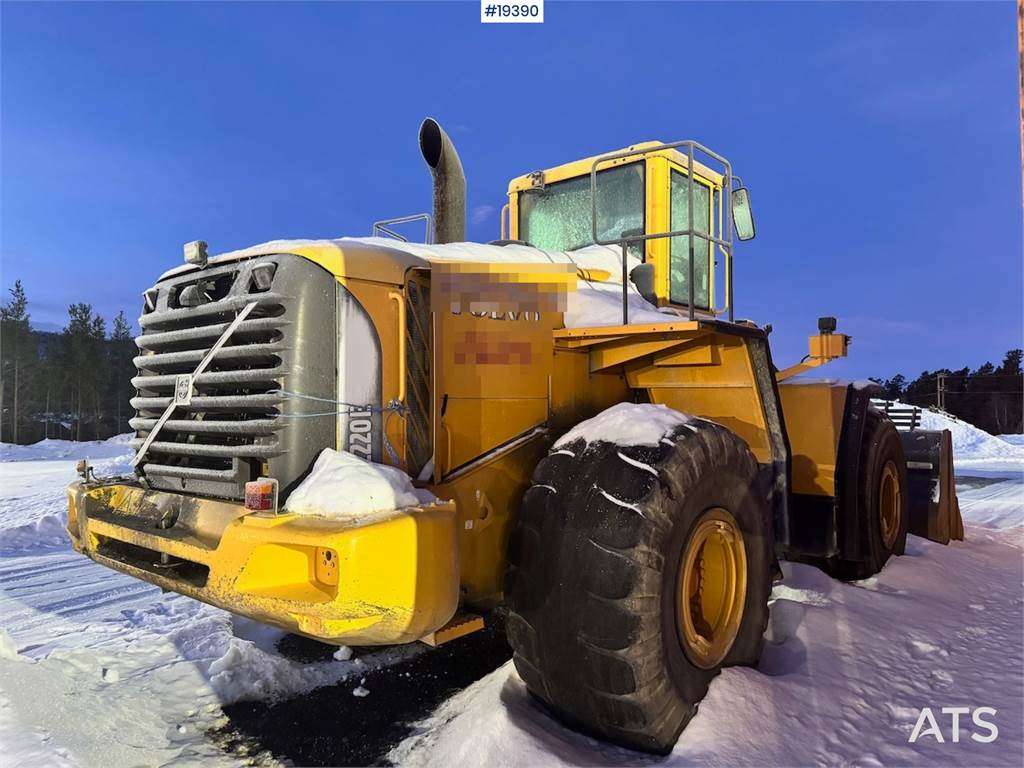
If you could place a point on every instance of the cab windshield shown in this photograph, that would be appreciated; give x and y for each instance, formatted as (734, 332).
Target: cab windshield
(558, 218)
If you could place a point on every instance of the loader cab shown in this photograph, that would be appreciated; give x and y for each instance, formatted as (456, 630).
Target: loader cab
(643, 192)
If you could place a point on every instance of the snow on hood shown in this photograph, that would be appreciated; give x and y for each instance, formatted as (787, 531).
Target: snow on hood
(593, 304)
(603, 257)
(344, 487)
(627, 424)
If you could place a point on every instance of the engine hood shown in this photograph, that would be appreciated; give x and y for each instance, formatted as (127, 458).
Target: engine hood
(353, 259)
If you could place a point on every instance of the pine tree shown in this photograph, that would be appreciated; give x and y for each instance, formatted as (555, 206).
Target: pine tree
(82, 360)
(15, 355)
(122, 368)
(894, 387)
(1008, 388)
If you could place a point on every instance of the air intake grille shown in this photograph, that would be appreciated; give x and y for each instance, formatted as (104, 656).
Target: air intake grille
(238, 419)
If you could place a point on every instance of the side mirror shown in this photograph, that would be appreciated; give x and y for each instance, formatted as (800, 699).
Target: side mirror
(742, 214)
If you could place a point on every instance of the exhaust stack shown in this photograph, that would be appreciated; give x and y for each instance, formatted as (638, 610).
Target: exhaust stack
(449, 207)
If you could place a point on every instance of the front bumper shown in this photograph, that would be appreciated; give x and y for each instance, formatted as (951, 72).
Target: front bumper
(390, 578)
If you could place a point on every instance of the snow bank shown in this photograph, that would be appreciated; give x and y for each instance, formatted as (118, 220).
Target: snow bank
(627, 424)
(47, 531)
(342, 486)
(8, 648)
(49, 450)
(971, 444)
(33, 507)
(1012, 439)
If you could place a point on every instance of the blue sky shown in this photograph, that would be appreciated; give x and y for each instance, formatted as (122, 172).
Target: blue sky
(879, 140)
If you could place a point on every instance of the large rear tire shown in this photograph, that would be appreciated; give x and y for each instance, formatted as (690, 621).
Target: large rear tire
(881, 498)
(635, 574)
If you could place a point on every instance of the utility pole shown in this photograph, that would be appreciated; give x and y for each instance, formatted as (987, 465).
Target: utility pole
(940, 391)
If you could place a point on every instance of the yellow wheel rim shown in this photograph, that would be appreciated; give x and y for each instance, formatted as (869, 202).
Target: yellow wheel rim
(889, 504)
(712, 588)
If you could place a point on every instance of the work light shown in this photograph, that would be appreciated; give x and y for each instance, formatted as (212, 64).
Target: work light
(195, 253)
(262, 275)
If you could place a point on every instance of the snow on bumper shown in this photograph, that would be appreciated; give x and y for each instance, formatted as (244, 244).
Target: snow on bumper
(389, 578)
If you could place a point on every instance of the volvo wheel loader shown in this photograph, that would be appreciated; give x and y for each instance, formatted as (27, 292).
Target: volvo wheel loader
(497, 376)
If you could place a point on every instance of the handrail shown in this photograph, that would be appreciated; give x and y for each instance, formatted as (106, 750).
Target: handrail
(397, 297)
(724, 243)
(383, 226)
(506, 209)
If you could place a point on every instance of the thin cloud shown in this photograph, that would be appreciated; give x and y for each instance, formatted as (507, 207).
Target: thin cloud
(892, 64)
(880, 324)
(482, 213)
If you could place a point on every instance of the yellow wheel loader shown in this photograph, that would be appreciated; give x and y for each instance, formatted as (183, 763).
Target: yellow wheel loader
(613, 458)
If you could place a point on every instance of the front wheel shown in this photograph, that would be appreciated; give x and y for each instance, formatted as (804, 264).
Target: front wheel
(635, 574)
(881, 499)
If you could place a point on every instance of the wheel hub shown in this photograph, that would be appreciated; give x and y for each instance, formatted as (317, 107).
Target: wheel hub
(889, 504)
(712, 588)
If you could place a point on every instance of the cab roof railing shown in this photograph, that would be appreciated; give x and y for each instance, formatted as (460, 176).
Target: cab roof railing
(384, 227)
(624, 240)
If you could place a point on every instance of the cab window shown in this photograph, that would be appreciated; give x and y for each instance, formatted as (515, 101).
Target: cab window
(558, 218)
(679, 253)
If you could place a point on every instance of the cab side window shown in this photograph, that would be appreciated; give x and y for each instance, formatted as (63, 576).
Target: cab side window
(679, 251)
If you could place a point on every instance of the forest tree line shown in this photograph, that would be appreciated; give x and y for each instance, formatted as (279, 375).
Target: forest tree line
(76, 384)
(990, 397)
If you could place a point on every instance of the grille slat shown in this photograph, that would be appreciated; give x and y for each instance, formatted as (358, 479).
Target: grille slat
(192, 473)
(206, 314)
(208, 427)
(229, 354)
(260, 402)
(209, 333)
(219, 378)
(209, 451)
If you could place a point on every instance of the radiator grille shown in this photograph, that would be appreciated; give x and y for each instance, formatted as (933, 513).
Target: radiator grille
(241, 422)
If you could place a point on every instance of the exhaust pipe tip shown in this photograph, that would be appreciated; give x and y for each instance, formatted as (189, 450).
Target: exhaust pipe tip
(432, 142)
(449, 205)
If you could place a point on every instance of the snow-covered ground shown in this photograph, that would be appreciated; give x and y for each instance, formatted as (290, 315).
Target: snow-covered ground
(99, 669)
(846, 670)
